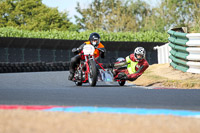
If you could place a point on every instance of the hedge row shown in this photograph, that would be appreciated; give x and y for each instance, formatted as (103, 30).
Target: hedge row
(33, 67)
(148, 36)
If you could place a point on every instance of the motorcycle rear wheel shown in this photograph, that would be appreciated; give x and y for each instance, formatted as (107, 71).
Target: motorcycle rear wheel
(121, 82)
(78, 77)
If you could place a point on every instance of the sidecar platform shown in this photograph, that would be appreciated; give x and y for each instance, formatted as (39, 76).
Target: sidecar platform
(105, 76)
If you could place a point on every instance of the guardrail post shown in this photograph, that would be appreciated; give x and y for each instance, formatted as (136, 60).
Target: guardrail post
(7, 54)
(23, 54)
(39, 55)
(54, 55)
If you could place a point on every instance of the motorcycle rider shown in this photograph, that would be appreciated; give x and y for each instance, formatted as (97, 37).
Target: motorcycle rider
(94, 39)
(136, 65)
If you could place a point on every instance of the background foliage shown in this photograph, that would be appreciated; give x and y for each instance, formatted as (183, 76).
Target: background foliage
(137, 15)
(32, 15)
(149, 36)
(115, 20)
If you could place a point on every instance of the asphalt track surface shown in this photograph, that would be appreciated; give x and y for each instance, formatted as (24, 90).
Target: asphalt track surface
(53, 88)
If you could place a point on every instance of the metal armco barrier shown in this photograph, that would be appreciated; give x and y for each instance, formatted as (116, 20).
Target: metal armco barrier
(31, 51)
(185, 52)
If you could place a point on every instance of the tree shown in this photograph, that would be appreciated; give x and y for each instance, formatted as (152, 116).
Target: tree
(120, 17)
(195, 24)
(32, 15)
(113, 15)
(137, 15)
(92, 17)
(174, 13)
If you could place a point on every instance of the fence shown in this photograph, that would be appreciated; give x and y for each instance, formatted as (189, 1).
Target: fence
(185, 50)
(30, 54)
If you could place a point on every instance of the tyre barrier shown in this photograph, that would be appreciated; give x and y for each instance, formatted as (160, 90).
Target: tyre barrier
(7, 67)
(33, 66)
(185, 50)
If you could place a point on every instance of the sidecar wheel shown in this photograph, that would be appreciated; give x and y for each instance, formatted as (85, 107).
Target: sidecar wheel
(78, 83)
(122, 82)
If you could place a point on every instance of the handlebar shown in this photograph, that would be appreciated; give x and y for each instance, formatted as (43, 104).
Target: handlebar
(76, 50)
(100, 49)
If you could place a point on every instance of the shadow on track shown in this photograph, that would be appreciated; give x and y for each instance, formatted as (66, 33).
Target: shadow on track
(97, 86)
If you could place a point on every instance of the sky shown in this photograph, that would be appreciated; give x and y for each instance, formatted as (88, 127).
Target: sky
(69, 5)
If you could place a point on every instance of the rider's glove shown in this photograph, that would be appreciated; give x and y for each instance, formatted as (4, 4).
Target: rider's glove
(110, 65)
(76, 50)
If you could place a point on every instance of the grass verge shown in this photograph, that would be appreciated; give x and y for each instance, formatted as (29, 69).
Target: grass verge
(163, 75)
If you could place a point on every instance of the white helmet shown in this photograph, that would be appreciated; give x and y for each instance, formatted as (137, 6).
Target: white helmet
(120, 59)
(140, 51)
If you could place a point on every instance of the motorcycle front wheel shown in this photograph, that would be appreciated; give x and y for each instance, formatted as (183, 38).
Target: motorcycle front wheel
(78, 83)
(92, 75)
